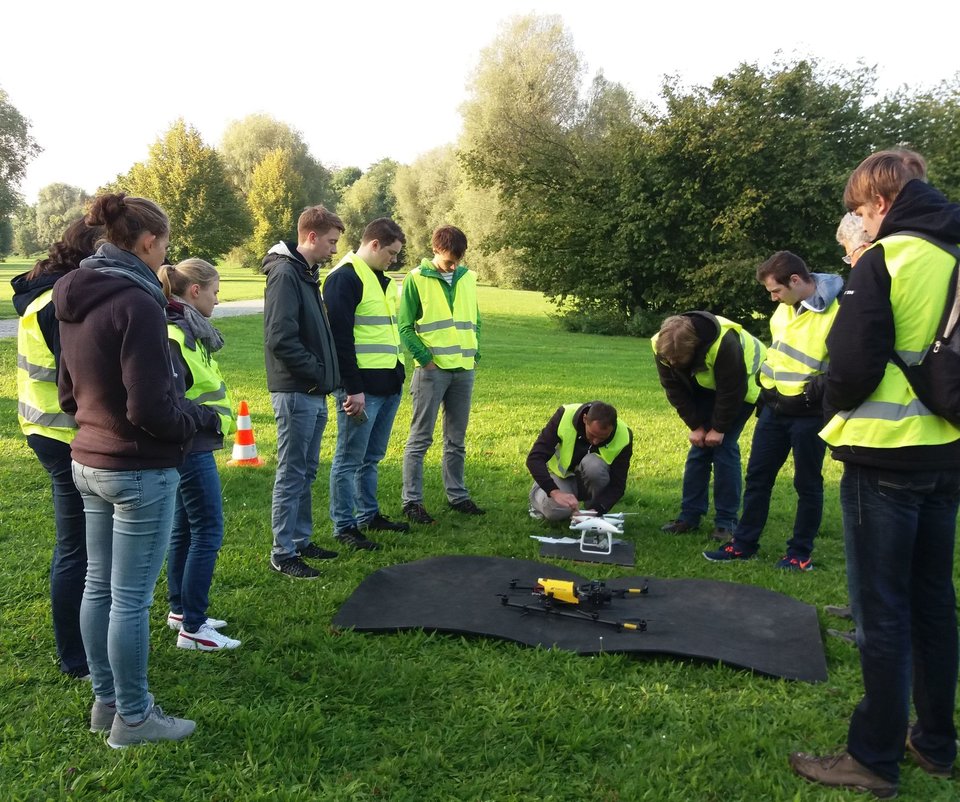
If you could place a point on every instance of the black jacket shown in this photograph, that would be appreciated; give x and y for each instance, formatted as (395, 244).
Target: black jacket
(298, 346)
(698, 406)
(862, 337)
(342, 293)
(546, 445)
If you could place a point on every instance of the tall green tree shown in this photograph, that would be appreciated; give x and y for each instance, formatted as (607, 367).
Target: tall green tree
(25, 239)
(6, 237)
(342, 179)
(246, 142)
(369, 197)
(274, 200)
(58, 205)
(426, 192)
(17, 148)
(929, 122)
(187, 178)
(731, 172)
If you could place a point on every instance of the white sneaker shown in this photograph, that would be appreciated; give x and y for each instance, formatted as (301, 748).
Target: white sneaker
(175, 620)
(205, 639)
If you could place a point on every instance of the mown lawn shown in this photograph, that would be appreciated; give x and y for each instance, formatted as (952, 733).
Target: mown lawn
(302, 712)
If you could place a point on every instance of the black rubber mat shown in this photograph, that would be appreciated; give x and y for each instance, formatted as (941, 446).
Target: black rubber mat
(620, 554)
(740, 625)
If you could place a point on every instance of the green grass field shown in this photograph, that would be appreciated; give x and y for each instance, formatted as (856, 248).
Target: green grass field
(236, 283)
(302, 712)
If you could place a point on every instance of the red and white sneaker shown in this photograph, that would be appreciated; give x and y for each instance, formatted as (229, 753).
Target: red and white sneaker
(205, 639)
(175, 621)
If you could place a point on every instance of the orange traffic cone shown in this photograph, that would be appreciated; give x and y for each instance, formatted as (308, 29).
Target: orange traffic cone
(244, 449)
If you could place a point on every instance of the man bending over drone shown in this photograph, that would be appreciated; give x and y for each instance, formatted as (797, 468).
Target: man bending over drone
(582, 454)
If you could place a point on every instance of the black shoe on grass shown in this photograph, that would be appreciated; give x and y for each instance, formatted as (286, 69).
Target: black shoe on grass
(294, 567)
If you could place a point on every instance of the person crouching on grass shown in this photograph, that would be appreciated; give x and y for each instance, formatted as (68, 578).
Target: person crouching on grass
(191, 287)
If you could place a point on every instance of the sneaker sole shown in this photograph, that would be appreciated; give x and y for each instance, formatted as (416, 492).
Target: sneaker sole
(201, 645)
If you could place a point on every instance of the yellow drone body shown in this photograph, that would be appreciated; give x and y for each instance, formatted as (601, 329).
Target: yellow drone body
(560, 590)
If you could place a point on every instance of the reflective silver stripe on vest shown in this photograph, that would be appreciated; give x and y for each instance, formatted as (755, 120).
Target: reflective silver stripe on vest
(440, 324)
(213, 395)
(376, 348)
(53, 420)
(887, 410)
(799, 356)
(466, 324)
(374, 320)
(37, 372)
(783, 376)
(220, 410)
(912, 357)
(453, 349)
(756, 358)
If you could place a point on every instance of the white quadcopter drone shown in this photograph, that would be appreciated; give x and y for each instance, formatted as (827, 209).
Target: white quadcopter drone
(597, 531)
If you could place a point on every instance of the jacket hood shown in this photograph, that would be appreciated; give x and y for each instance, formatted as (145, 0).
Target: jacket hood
(920, 207)
(84, 289)
(286, 252)
(26, 290)
(829, 287)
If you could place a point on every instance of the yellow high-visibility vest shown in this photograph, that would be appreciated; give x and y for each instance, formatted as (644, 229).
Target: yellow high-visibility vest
(753, 355)
(799, 348)
(38, 407)
(376, 338)
(208, 388)
(892, 416)
(450, 337)
(559, 463)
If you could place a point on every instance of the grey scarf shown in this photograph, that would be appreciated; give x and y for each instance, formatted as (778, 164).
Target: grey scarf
(115, 261)
(200, 327)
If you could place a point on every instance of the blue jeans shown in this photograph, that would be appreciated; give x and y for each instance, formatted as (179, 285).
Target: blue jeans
(129, 515)
(301, 419)
(899, 532)
(360, 449)
(724, 460)
(774, 437)
(431, 388)
(68, 568)
(196, 538)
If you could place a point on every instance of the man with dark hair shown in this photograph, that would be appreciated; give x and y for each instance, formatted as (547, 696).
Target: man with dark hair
(362, 303)
(791, 379)
(708, 368)
(440, 326)
(301, 369)
(901, 482)
(582, 454)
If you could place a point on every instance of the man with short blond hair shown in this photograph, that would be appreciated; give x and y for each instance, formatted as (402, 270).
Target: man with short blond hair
(302, 369)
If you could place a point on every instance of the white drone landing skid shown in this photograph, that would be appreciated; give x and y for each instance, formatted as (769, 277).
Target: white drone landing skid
(597, 531)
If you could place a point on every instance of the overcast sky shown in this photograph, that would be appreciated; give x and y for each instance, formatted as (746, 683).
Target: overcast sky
(369, 79)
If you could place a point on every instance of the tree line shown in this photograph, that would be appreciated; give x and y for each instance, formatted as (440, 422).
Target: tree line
(621, 211)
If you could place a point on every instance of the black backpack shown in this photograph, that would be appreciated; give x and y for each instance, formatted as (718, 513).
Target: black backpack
(936, 377)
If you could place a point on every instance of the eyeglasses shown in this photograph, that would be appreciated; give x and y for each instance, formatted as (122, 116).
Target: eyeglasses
(848, 259)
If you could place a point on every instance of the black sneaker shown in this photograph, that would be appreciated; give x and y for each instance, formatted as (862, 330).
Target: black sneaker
(355, 539)
(416, 512)
(294, 567)
(467, 507)
(313, 552)
(381, 523)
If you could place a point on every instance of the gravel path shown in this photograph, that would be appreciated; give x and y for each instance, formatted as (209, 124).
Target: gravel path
(8, 328)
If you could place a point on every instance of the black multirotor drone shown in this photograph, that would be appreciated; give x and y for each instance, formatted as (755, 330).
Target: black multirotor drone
(567, 599)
